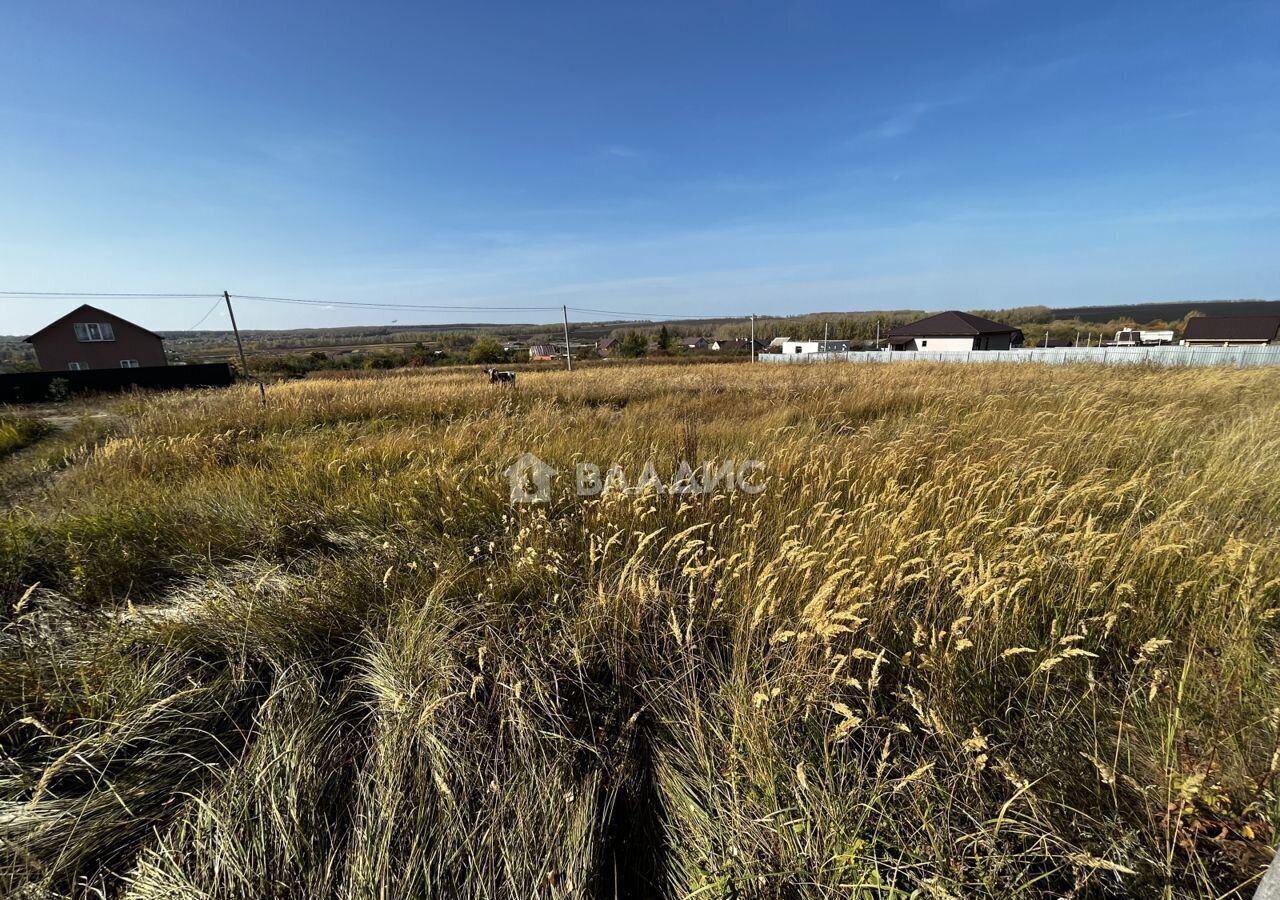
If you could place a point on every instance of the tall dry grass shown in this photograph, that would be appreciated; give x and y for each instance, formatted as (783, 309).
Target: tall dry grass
(20, 432)
(988, 632)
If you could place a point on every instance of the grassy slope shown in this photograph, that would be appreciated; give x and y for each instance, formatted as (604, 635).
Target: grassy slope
(988, 632)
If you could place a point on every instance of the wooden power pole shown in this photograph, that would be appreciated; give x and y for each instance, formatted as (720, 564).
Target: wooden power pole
(568, 353)
(244, 363)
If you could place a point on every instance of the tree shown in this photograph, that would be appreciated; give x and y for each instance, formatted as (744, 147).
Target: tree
(633, 345)
(418, 355)
(487, 350)
(664, 339)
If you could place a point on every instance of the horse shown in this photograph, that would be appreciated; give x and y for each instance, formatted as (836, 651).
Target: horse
(499, 377)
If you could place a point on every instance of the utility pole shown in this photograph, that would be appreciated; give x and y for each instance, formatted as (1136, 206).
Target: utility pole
(826, 328)
(244, 363)
(877, 334)
(568, 353)
(753, 338)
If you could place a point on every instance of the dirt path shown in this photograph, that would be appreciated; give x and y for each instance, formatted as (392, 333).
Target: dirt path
(22, 475)
(66, 423)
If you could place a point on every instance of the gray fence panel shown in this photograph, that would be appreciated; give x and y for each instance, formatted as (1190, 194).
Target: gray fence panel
(1184, 357)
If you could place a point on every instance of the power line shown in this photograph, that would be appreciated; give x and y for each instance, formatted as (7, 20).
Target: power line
(206, 315)
(638, 315)
(423, 307)
(363, 304)
(355, 304)
(17, 295)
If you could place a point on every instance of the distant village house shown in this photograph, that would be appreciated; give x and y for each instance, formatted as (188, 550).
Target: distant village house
(1231, 330)
(92, 338)
(605, 346)
(542, 352)
(738, 345)
(956, 332)
(831, 346)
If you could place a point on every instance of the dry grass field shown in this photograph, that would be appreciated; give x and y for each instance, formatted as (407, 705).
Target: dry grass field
(986, 632)
(19, 432)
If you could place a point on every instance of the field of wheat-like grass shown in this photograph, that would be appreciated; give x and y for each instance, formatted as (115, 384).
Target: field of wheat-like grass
(986, 632)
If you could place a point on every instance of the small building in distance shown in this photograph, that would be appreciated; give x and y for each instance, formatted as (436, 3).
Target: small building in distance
(954, 331)
(1136, 337)
(831, 346)
(690, 343)
(605, 346)
(775, 345)
(737, 345)
(542, 352)
(1225, 331)
(92, 338)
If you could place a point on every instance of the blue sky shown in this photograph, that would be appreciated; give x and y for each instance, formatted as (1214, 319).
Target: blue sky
(665, 157)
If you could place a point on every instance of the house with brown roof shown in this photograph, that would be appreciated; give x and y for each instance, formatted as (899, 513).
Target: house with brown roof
(736, 345)
(92, 338)
(1226, 331)
(605, 346)
(954, 331)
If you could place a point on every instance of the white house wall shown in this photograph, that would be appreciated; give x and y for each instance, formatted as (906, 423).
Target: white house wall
(944, 344)
(833, 346)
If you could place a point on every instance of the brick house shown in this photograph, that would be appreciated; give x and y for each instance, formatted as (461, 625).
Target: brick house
(92, 338)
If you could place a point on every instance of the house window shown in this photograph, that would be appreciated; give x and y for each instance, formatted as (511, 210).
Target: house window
(94, 332)
(128, 364)
(77, 367)
(924, 343)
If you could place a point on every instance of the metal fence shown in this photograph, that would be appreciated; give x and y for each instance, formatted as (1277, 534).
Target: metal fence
(1237, 357)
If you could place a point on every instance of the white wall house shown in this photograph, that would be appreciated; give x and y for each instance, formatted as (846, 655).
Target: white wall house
(942, 343)
(954, 332)
(815, 346)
